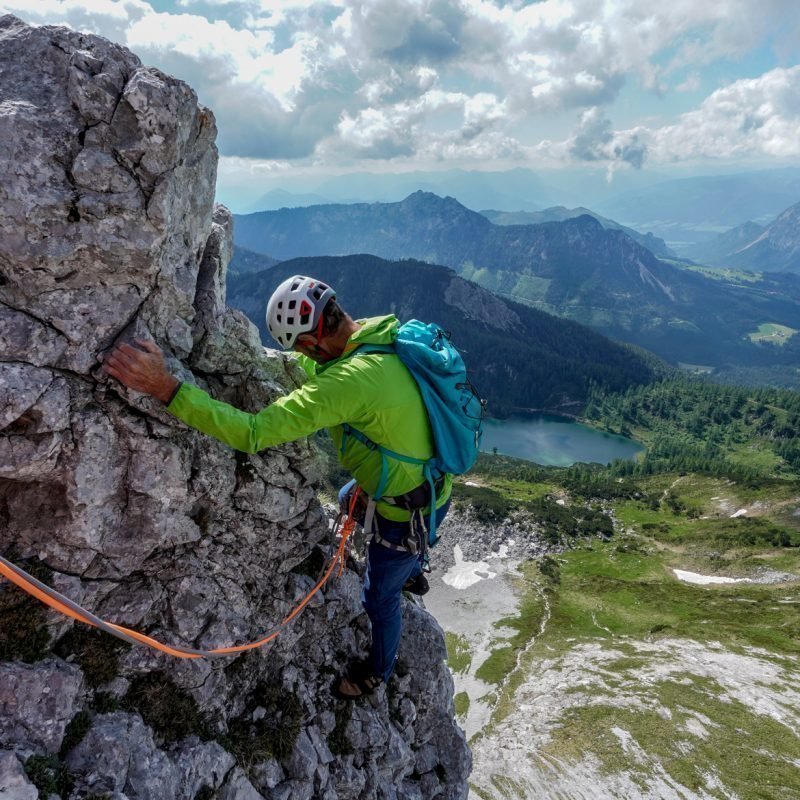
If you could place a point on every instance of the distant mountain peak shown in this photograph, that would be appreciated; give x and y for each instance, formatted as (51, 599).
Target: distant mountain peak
(751, 247)
(423, 197)
(584, 221)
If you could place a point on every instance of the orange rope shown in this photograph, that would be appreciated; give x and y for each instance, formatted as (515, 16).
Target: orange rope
(63, 605)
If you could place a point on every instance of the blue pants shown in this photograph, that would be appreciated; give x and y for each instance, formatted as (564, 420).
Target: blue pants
(387, 571)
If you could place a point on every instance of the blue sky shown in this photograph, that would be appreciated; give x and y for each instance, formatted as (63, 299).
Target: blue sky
(322, 86)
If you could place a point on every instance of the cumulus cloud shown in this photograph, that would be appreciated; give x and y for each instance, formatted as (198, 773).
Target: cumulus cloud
(758, 116)
(109, 18)
(596, 141)
(324, 80)
(750, 117)
(405, 129)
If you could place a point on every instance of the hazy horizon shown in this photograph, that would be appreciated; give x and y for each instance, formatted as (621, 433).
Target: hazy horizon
(621, 92)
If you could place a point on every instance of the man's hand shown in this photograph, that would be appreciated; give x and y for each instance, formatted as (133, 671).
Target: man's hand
(141, 368)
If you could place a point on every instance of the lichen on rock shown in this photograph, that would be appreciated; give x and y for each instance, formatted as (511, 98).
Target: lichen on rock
(108, 232)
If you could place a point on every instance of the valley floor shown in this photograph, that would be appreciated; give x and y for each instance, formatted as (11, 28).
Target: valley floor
(605, 676)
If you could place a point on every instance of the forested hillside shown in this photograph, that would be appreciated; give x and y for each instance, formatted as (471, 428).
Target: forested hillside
(692, 425)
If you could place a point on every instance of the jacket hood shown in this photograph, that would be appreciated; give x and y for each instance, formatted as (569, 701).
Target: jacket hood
(374, 330)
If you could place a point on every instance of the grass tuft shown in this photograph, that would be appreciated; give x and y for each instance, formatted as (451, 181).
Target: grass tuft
(97, 653)
(170, 711)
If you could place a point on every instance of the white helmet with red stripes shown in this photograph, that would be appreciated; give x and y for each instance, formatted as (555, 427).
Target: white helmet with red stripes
(296, 307)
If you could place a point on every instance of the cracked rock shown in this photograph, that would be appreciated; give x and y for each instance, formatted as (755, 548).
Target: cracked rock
(36, 703)
(109, 232)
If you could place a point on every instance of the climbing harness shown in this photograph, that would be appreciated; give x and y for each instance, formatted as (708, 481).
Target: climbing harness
(417, 539)
(343, 527)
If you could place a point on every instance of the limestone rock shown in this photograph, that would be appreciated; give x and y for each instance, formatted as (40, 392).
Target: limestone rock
(238, 787)
(199, 764)
(36, 703)
(14, 783)
(108, 232)
(119, 755)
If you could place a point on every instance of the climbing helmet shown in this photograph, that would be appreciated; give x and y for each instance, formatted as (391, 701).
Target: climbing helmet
(296, 307)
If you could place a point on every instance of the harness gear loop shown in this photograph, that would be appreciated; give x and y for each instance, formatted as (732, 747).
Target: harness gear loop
(16, 575)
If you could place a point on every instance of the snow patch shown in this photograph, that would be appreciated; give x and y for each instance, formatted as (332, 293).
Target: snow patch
(502, 552)
(702, 580)
(696, 728)
(740, 513)
(466, 573)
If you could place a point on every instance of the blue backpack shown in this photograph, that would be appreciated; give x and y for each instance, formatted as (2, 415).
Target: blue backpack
(454, 408)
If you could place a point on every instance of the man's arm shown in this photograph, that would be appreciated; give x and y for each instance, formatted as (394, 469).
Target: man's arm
(326, 400)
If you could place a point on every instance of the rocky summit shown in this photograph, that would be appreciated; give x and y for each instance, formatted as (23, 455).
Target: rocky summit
(109, 232)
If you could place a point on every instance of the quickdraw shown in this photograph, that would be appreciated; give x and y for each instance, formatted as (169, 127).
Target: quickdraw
(344, 527)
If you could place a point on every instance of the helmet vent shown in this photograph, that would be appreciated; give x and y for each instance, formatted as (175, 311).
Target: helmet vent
(290, 320)
(292, 304)
(304, 319)
(279, 318)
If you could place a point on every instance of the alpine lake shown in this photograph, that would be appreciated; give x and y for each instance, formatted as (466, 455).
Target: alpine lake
(554, 441)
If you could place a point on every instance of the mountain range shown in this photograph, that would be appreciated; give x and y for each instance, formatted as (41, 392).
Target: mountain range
(750, 246)
(575, 269)
(716, 250)
(507, 189)
(689, 210)
(519, 357)
(653, 243)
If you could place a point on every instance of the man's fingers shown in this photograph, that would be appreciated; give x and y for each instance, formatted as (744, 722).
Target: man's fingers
(122, 358)
(115, 374)
(124, 369)
(113, 371)
(130, 350)
(149, 345)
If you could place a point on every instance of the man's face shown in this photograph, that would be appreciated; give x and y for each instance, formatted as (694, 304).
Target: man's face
(315, 350)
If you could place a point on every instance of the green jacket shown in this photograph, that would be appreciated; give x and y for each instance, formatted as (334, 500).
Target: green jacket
(375, 393)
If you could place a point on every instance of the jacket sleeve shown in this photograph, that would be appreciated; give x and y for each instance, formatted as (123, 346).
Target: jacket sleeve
(325, 400)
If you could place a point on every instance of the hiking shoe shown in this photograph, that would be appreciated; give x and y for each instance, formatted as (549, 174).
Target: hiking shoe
(358, 681)
(417, 585)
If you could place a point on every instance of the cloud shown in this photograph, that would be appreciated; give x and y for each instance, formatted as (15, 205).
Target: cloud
(323, 80)
(596, 141)
(690, 84)
(109, 18)
(750, 118)
(408, 128)
(757, 116)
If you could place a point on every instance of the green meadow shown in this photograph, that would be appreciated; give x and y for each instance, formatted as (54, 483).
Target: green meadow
(612, 612)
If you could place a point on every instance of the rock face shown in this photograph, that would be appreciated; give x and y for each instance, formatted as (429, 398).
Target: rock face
(108, 232)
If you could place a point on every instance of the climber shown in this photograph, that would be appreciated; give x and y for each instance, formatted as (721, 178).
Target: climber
(374, 393)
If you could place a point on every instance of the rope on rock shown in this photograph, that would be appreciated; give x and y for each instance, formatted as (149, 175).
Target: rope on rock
(345, 525)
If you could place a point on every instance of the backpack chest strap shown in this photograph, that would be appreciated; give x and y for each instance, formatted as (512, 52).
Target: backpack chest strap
(385, 452)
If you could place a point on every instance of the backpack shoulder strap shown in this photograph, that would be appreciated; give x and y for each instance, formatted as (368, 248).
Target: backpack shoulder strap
(427, 464)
